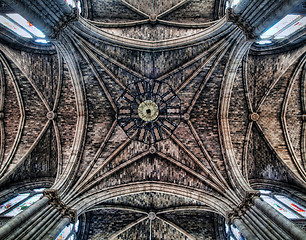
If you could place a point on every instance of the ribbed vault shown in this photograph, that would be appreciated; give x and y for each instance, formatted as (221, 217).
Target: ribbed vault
(240, 116)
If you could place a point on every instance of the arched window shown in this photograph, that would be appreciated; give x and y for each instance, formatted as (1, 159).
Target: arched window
(284, 205)
(233, 233)
(24, 200)
(69, 232)
(288, 26)
(20, 202)
(284, 28)
(231, 3)
(22, 27)
(75, 4)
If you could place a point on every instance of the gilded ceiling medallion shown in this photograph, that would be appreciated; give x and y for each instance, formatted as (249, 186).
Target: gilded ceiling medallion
(149, 111)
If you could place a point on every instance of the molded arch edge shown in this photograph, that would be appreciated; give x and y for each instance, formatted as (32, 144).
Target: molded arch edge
(217, 204)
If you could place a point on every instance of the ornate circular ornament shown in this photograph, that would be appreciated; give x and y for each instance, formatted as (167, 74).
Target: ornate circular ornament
(149, 111)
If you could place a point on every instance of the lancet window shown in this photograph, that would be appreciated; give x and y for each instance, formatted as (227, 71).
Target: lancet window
(284, 205)
(69, 232)
(17, 24)
(233, 233)
(284, 28)
(22, 27)
(19, 203)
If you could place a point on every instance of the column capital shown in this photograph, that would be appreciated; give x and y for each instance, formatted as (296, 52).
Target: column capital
(65, 21)
(55, 200)
(246, 204)
(241, 23)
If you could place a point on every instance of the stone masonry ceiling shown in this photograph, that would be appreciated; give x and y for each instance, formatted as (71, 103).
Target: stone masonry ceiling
(152, 113)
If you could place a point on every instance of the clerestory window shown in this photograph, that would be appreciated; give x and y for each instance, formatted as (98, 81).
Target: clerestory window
(286, 27)
(69, 232)
(75, 4)
(284, 205)
(233, 233)
(231, 3)
(24, 200)
(22, 27)
(21, 202)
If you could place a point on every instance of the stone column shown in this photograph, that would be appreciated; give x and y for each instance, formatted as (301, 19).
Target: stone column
(50, 23)
(258, 220)
(22, 218)
(244, 229)
(241, 23)
(64, 222)
(280, 220)
(238, 218)
(283, 8)
(43, 220)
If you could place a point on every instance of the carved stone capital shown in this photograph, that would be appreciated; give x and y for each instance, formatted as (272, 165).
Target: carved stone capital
(245, 205)
(64, 23)
(245, 26)
(58, 204)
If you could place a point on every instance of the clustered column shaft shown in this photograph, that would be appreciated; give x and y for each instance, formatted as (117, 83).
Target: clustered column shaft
(43, 220)
(261, 221)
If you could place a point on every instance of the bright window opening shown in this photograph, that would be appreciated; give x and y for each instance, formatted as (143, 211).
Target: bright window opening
(74, 4)
(41, 41)
(14, 27)
(7, 205)
(26, 25)
(279, 26)
(231, 3)
(20, 203)
(233, 233)
(234, 3)
(264, 191)
(284, 205)
(69, 232)
(279, 207)
(261, 42)
(39, 190)
(22, 27)
(293, 205)
(71, 3)
(20, 208)
(287, 26)
(291, 29)
(65, 232)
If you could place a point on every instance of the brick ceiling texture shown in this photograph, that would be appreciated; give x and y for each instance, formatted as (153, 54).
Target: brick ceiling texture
(229, 114)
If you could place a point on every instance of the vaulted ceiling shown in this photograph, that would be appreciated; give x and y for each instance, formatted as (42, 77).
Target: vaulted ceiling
(230, 115)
